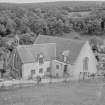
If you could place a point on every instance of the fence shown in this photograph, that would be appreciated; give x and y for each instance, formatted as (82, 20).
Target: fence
(26, 83)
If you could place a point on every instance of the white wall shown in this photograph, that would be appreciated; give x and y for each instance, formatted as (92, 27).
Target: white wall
(71, 70)
(78, 67)
(74, 70)
(55, 71)
(27, 67)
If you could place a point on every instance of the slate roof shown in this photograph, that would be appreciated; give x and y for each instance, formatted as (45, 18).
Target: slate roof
(72, 35)
(28, 53)
(63, 44)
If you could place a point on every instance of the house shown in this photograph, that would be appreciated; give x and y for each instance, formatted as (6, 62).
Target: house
(73, 57)
(34, 60)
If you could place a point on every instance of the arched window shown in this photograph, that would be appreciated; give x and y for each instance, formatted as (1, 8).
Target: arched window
(85, 63)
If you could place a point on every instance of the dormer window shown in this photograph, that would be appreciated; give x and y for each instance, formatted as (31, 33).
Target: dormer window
(65, 58)
(40, 59)
(16, 40)
(65, 55)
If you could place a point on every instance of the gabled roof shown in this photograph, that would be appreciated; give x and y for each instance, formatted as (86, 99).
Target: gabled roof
(29, 53)
(62, 44)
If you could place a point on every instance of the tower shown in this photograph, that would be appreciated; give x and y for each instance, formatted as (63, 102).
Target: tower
(17, 39)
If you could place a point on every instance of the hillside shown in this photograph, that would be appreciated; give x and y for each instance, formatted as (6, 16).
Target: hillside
(28, 20)
(73, 4)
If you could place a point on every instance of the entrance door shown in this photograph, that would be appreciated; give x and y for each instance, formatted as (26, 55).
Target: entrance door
(65, 71)
(32, 73)
(65, 68)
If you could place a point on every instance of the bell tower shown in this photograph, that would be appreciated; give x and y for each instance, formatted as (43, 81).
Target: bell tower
(16, 40)
(65, 54)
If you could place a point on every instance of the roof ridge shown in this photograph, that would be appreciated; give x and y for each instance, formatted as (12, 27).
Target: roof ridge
(33, 45)
(32, 50)
(43, 43)
(63, 38)
(63, 44)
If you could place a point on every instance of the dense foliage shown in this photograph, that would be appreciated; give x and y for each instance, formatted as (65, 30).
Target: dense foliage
(85, 18)
(52, 20)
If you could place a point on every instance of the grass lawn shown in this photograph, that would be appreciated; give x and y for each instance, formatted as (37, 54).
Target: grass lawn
(74, 93)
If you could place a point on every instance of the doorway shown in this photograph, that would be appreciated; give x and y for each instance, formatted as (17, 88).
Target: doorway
(65, 68)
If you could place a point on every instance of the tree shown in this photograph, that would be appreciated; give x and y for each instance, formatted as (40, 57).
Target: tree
(55, 26)
(11, 26)
(27, 38)
(95, 42)
(2, 30)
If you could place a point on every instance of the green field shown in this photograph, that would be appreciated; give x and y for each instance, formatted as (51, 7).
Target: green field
(58, 4)
(73, 93)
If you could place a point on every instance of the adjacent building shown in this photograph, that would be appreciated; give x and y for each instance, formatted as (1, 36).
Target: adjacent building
(34, 60)
(73, 57)
(55, 57)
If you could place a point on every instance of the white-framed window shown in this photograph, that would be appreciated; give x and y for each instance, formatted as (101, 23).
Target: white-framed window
(40, 59)
(33, 71)
(48, 69)
(41, 70)
(57, 66)
(57, 75)
(65, 55)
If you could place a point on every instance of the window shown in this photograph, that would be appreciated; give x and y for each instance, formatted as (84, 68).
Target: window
(32, 74)
(57, 66)
(40, 58)
(48, 69)
(65, 55)
(40, 70)
(57, 75)
(32, 71)
(85, 63)
(64, 58)
(65, 68)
